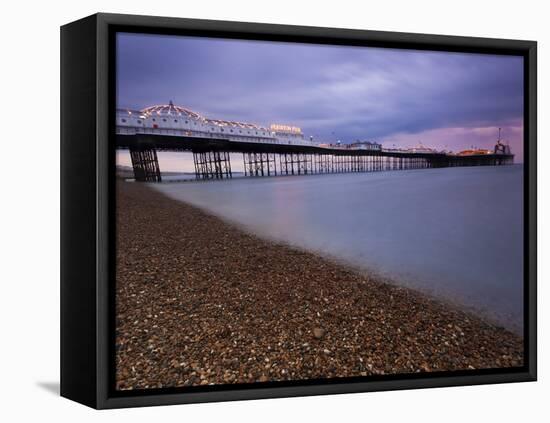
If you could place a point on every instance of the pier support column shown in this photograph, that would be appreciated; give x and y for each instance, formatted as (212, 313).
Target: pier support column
(145, 163)
(284, 164)
(262, 164)
(304, 164)
(212, 165)
(322, 166)
(361, 163)
(316, 164)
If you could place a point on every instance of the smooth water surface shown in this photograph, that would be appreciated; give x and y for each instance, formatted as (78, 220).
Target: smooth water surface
(455, 233)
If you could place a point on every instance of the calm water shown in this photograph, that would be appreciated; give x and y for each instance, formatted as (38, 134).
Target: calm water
(454, 233)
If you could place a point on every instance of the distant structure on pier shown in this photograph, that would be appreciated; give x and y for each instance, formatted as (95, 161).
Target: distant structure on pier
(500, 148)
(366, 145)
(474, 152)
(420, 148)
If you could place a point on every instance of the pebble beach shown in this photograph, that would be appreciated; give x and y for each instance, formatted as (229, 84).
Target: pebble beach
(200, 301)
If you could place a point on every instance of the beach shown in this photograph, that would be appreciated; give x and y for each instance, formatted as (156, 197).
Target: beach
(200, 301)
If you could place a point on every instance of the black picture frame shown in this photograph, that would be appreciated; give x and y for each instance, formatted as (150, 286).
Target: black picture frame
(87, 229)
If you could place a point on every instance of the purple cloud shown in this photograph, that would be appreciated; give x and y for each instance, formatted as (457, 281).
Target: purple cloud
(401, 97)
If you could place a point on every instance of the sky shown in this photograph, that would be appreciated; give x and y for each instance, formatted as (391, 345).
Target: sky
(401, 98)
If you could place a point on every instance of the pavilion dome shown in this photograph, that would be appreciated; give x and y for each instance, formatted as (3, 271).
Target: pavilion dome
(170, 110)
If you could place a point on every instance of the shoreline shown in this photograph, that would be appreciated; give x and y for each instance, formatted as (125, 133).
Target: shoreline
(367, 272)
(362, 271)
(199, 301)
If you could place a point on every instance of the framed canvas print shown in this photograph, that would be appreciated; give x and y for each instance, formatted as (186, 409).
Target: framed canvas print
(255, 211)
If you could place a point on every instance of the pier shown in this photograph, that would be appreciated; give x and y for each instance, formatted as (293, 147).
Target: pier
(212, 157)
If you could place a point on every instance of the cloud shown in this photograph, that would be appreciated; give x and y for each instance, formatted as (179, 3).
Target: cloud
(331, 92)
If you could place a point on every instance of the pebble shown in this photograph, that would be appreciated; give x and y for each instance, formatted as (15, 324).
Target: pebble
(192, 285)
(318, 333)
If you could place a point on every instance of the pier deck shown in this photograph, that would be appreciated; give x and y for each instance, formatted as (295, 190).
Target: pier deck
(212, 160)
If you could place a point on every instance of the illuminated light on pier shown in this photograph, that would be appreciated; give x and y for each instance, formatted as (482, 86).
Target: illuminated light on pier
(169, 109)
(474, 152)
(275, 127)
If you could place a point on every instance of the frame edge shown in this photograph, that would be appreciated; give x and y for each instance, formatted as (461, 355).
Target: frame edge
(104, 22)
(78, 212)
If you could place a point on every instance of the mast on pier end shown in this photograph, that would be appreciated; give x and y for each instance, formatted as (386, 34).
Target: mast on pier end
(500, 147)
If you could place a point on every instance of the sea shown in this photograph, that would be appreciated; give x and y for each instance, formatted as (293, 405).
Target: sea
(452, 233)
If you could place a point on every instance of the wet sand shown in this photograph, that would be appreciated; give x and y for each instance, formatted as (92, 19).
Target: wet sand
(202, 302)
